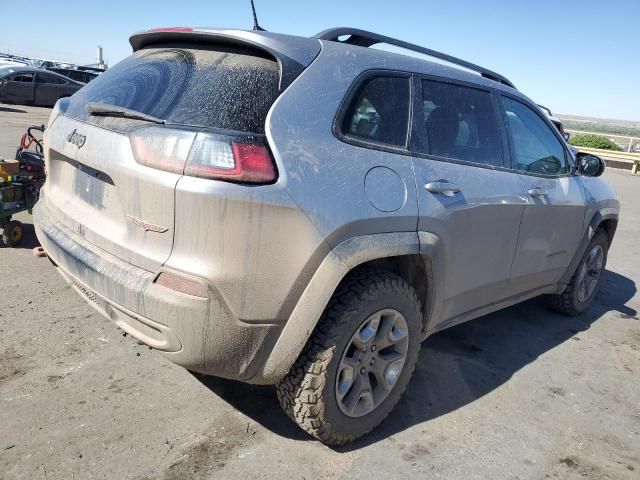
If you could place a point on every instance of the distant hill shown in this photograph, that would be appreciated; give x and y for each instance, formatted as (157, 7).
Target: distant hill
(601, 125)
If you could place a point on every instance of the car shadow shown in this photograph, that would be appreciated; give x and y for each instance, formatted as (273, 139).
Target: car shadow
(12, 110)
(456, 366)
(29, 240)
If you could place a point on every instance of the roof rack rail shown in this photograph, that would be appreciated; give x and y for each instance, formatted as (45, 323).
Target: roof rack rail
(363, 38)
(548, 110)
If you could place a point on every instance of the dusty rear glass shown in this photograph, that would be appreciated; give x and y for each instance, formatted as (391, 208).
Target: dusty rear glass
(221, 88)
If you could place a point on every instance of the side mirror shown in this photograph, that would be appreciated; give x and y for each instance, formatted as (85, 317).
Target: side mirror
(589, 165)
(566, 136)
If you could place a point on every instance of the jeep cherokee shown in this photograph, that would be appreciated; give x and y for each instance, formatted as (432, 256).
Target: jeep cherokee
(305, 211)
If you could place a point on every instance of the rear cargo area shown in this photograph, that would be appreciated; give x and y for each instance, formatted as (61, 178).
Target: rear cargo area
(110, 193)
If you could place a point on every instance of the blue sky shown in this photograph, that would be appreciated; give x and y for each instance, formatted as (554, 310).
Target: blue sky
(576, 57)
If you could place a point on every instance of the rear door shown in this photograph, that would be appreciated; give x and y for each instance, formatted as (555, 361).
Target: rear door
(108, 179)
(20, 87)
(553, 220)
(48, 89)
(466, 194)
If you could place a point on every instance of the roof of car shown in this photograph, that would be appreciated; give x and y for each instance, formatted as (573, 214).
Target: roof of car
(300, 50)
(294, 46)
(28, 69)
(364, 38)
(63, 69)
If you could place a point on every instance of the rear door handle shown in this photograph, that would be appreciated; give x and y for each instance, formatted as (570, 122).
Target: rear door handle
(442, 186)
(536, 192)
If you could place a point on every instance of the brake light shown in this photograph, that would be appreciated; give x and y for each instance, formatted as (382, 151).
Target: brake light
(172, 29)
(233, 158)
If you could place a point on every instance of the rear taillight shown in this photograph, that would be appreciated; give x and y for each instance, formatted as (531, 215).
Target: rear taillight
(234, 158)
(162, 148)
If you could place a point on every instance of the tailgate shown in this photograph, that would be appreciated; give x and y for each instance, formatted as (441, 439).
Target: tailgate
(111, 178)
(96, 188)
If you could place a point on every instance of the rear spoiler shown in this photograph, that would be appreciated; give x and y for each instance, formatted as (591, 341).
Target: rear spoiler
(293, 54)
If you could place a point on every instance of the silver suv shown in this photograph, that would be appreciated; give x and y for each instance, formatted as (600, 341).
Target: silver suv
(305, 211)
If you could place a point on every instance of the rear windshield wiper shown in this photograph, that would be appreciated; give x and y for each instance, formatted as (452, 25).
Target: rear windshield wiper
(106, 110)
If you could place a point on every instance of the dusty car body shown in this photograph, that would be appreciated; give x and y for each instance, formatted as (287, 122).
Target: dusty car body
(231, 243)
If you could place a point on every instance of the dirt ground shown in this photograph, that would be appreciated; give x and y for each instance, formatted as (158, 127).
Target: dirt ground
(519, 394)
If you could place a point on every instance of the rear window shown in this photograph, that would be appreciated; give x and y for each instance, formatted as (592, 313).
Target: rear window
(461, 124)
(44, 78)
(380, 111)
(81, 76)
(225, 88)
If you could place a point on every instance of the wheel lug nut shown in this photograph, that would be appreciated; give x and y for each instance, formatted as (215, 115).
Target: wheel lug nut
(373, 360)
(362, 370)
(373, 348)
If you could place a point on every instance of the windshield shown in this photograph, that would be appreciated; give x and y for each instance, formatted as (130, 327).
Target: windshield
(225, 88)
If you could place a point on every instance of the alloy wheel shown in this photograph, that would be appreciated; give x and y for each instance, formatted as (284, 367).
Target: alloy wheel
(590, 273)
(372, 363)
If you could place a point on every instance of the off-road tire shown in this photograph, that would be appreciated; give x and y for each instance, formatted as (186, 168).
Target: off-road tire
(12, 233)
(567, 302)
(307, 393)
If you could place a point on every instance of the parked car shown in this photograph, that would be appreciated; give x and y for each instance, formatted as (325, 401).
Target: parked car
(82, 76)
(8, 60)
(34, 86)
(254, 206)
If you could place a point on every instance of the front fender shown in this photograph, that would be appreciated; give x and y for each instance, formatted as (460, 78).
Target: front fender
(606, 212)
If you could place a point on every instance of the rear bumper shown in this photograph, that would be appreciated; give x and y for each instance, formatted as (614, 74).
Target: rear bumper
(198, 333)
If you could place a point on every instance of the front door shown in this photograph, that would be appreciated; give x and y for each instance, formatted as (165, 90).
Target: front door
(466, 195)
(553, 219)
(19, 88)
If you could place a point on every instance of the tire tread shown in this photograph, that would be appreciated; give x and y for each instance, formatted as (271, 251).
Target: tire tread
(300, 392)
(565, 302)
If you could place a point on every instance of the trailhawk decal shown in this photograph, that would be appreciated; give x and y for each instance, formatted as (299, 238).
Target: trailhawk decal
(149, 227)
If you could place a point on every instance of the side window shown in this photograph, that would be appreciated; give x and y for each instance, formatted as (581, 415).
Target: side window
(51, 79)
(461, 123)
(78, 76)
(22, 77)
(535, 147)
(380, 111)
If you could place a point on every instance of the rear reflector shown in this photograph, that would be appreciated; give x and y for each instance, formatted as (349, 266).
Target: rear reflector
(181, 284)
(233, 158)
